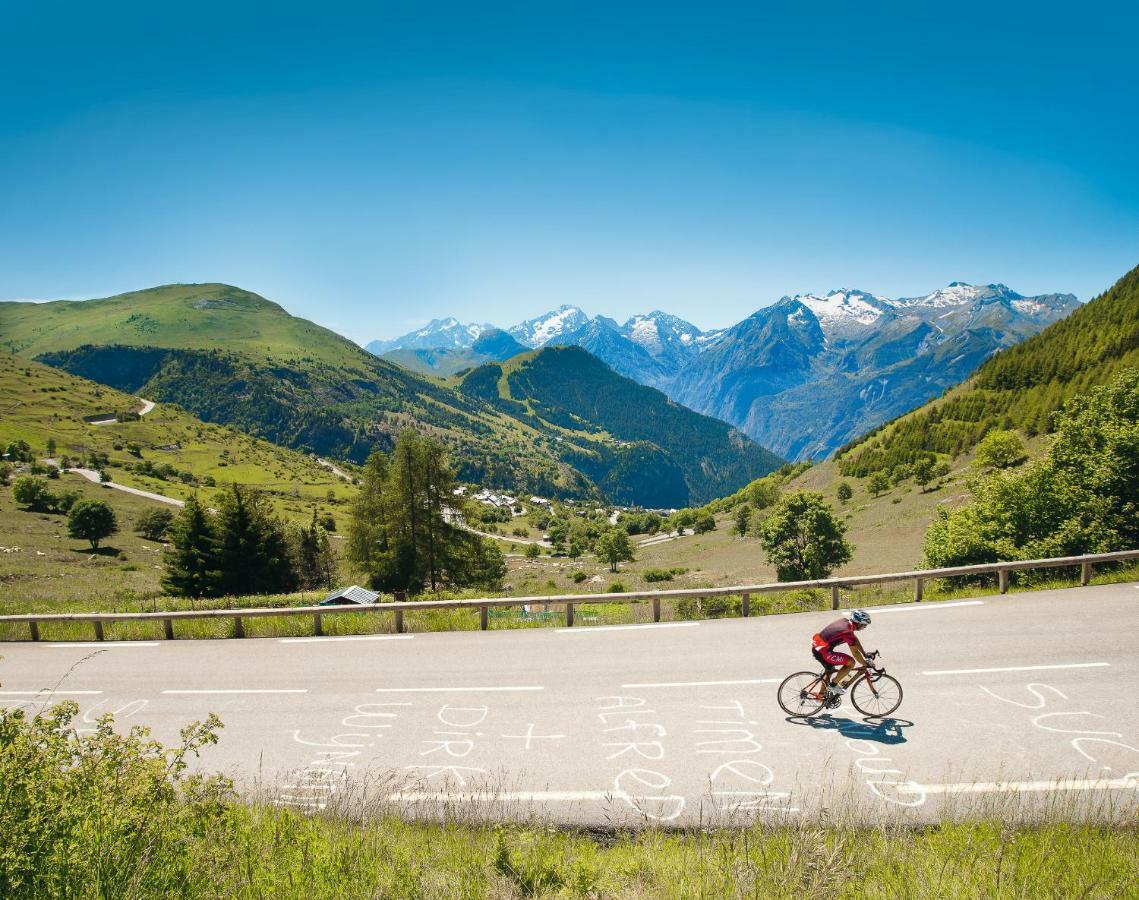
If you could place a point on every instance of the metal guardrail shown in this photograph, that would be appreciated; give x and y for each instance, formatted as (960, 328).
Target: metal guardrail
(570, 601)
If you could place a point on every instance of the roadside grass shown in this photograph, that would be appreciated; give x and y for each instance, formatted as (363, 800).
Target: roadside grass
(103, 813)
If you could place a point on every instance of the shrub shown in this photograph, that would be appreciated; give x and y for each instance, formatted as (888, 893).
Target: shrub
(845, 491)
(91, 520)
(115, 812)
(579, 577)
(533, 551)
(617, 587)
(153, 524)
(654, 575)
(704, 523)
(1000, 450)
(31, 491)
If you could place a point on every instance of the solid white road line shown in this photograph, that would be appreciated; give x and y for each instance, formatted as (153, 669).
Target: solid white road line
(347, 637)
(878, 610)
(680, 684)
(49, 692)
(107, 645)
(1092, 665)
(589, 629)
(240, 691)
(464, 689)
(1012, 787)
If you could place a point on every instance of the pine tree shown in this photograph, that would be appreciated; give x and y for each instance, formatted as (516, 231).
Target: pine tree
(191, 561)
(252, 554)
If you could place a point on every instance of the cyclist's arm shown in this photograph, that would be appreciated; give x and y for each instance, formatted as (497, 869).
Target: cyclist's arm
(859, 653)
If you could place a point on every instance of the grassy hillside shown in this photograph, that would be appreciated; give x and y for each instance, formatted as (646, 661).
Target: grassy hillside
(1020, 388)
(231, 357)
(40, 402)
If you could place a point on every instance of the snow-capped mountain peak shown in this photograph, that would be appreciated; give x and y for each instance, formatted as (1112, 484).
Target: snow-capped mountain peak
(546, 328)
(438, 334)
(656, 330)
(845, 307)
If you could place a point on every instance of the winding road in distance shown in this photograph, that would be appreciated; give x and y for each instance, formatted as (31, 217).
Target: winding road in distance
(1027, 700)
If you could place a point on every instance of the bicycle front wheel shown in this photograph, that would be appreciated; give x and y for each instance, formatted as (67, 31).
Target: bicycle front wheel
(878, 698)
(802, 694)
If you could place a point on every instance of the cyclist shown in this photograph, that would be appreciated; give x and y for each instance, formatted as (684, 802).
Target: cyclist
(841, 631)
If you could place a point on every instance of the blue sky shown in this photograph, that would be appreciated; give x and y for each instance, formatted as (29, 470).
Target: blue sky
(371, 166)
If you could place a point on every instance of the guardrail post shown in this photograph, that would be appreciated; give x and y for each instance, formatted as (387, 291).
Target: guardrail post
(918, 585)
(656, 609)
(745, 605)
(98, 630)
(317, 627)
(483, 618)
(1085, 573)
(834, 597)
(168, 628)
(34, 628)
(238, 628)
(1002, 580)
(399, 621)
(569, 615)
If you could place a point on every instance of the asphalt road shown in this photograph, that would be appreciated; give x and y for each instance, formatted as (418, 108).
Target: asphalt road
(1012, 704)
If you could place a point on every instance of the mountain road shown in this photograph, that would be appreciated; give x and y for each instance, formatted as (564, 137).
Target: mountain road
(1019, 701)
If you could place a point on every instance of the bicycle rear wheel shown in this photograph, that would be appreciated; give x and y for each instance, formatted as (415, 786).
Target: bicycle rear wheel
(801, 694)
(878, 698)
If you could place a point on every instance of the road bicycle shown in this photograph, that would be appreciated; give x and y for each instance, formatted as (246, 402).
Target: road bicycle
(872, 691)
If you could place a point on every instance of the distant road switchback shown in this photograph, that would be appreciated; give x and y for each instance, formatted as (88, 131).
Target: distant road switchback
(1013, 704)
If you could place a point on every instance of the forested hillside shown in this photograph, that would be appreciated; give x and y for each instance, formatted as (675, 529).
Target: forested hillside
(657, 441)
(1022, 387)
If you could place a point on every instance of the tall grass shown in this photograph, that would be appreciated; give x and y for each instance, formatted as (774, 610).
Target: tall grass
(111, 815)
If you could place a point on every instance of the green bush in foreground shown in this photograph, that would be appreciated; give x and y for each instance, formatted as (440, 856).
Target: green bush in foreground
(107, 815)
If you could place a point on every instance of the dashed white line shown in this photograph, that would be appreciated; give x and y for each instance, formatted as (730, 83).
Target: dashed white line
(239, 691)
(1012, 787)
(676, 684)
(106, 645)
(589, 629)
(879, 610)
(1091, 665)
(463, 689)
(347, 637)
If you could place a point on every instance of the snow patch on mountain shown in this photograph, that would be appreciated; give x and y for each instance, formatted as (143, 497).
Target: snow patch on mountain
(845, 306)
(546, 328)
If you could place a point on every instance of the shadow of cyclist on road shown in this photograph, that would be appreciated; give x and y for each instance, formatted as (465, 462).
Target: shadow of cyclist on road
(881, 731)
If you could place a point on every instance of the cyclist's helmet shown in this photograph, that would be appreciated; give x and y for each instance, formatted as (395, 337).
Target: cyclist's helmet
(859, 617)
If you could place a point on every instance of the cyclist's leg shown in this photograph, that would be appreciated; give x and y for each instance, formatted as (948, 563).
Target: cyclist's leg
(844, 663)
(828, 669)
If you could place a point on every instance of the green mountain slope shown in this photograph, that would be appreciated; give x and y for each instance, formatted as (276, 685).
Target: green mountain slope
(644, 448)
(232, 357)
(167, 451)
(1021, 387)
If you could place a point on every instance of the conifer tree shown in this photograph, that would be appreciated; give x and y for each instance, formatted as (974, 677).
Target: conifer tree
(191, 561)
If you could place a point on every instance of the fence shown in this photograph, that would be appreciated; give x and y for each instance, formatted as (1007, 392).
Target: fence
(571, 601)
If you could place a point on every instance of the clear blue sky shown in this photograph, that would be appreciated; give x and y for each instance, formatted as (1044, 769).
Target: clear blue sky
(374, 165)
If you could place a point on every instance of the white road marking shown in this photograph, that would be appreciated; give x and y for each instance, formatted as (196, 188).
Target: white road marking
(241, 691)
(674, 684)
(464, 689)
(588, 629)
(49, 692)
(1092, 665)
(349, 637)
(1011, 787)
(878, 610)
(107, 645)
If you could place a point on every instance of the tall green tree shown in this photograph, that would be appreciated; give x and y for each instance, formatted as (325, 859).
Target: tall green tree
(191, 561)
(401, 533)
(613, 546)
(311, 555)
(743, 518)
(803, 538)
(91, 520)
(252, 546)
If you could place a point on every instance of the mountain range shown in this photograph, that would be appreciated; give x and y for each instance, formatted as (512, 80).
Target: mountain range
(804, 375)
(232, 357)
